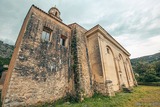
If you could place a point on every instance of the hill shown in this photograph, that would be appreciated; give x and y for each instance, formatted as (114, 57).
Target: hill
(6, 51)
(147, 68)
(147, 59)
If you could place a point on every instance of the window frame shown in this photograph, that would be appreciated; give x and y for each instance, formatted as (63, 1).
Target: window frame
(108, 50)
(63, 40)
(48, 31)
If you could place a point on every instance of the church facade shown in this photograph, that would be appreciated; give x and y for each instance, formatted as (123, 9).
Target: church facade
(52, 60)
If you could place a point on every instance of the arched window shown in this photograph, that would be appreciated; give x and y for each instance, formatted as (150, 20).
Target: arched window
(108, 50)
(120, 57)
(56, 14)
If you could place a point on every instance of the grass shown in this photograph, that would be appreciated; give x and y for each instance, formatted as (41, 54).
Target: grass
(143, 96)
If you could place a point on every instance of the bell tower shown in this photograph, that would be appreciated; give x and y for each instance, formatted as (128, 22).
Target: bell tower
(54, 12)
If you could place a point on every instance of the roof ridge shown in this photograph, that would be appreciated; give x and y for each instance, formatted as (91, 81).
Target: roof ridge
(78, 25)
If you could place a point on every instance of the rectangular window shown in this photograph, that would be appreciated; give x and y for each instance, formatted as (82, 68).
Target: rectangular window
(46, 34)
(62, 40)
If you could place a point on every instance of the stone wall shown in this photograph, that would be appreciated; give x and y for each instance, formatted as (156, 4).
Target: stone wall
(110, 67)
(110, 64)
(122, 69)
(120, 65)
(40, 73)
(84, 70)
(96, 64)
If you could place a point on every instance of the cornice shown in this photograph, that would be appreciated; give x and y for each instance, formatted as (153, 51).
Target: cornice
(106, 35)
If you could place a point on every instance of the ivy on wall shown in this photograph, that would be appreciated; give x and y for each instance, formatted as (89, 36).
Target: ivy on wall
(75, 67)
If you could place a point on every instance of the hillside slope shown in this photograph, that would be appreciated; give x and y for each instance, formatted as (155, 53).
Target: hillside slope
(147, 68)
(147, 59)
(6, 50)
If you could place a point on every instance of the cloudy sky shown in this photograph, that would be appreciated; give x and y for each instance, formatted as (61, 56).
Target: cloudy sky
(133, 23)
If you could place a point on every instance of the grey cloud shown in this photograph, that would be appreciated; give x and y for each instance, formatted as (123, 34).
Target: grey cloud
(137, 20)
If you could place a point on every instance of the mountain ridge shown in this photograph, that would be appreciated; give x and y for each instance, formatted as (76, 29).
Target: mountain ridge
(147, 59)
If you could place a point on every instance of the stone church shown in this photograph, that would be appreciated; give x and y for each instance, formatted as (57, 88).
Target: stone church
(52, 60)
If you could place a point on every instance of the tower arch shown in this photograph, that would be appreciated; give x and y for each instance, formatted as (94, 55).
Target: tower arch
(54, 12)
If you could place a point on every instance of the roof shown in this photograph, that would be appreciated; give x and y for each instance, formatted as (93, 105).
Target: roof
(33, 6)
(106, 35)
(89, 32)
(77, 25)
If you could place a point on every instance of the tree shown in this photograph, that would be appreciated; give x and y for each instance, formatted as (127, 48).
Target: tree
(157, 68)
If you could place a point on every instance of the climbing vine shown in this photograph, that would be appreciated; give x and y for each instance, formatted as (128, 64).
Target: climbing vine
(75, 67)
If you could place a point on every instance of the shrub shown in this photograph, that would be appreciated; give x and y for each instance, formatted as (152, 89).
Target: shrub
(149, 83)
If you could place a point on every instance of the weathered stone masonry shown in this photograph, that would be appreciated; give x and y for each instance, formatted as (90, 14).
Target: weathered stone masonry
(72, 60)
(38, 69)
(84, 80)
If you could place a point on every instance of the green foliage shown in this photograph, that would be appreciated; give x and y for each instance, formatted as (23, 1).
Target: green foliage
(147, 69)
(149, 77)
(157, 68)
(75, 68)
(3, 61)
(149, 83)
